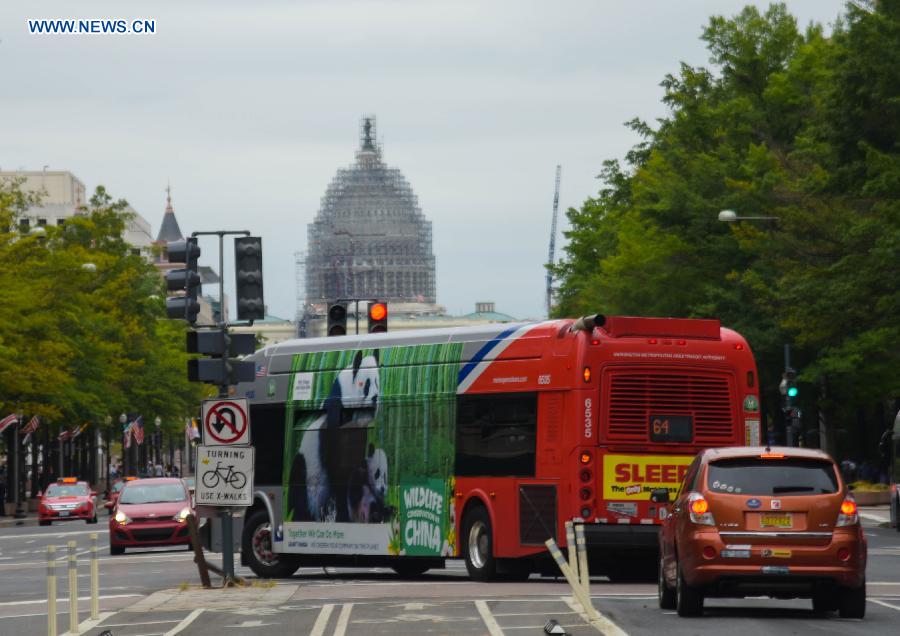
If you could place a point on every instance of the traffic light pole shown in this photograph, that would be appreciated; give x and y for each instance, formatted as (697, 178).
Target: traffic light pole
(791, 427)
(221, 323)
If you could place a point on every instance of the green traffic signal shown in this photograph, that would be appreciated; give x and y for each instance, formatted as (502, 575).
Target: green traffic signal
(792, 391)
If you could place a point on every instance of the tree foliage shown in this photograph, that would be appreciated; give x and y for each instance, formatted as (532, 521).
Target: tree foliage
(82, 328)
(797, 125)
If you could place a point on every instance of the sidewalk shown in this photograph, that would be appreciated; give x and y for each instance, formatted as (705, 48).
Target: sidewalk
(9, 521)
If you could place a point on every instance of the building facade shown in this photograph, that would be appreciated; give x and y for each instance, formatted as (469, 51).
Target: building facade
(63, 196)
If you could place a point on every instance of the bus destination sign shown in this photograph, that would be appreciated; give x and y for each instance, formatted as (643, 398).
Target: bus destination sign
(671, 428)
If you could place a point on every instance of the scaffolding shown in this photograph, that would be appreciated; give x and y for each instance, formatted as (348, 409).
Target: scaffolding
(369, 238)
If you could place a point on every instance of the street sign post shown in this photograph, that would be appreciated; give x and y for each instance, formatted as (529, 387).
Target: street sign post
(224, 478)
(226, 422)
(224, 475)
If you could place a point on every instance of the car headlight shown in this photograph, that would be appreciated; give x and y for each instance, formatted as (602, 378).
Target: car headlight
(121, 518)
(182, 515)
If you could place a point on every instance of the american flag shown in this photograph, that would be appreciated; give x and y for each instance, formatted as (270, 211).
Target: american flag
(191, 429)
(64, 435)
(30, 428)
(77, 430)
(32, 425)
(261, 371)
(8, 421)
(137, 429)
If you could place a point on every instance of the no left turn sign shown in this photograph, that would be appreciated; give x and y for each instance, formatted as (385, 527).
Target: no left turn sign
(226, 422)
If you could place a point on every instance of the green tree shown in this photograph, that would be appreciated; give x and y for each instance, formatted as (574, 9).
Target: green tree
(82, 327)
(795, 125)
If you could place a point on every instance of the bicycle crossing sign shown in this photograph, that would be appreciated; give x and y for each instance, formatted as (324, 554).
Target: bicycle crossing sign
(224, 476)
(226, 422)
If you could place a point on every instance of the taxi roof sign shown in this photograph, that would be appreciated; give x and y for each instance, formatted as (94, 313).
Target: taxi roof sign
(68, 480)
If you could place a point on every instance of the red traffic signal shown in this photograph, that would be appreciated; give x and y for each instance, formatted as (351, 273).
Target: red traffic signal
(378, 317)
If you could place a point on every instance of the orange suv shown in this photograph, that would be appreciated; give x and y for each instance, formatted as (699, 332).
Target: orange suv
(753, 521)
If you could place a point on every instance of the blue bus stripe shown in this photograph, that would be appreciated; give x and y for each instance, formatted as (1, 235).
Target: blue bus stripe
(478, 357)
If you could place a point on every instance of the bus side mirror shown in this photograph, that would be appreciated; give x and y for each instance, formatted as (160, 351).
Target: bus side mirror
(660, 495)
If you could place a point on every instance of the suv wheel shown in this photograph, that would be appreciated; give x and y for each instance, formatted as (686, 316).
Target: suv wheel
(852, 602)
(895, 511)
(688, 600)
(666, 593)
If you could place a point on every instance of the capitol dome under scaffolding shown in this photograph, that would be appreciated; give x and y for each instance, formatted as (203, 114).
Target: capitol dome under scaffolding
(369, 238)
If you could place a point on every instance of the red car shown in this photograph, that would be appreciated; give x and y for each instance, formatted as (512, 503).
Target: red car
(753, 521)
(114, 493)
(150, 512)
(67, 499)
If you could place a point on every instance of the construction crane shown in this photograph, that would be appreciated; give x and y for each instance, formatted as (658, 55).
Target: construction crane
(550, 258)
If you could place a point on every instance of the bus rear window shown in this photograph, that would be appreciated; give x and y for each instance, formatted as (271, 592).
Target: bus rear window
(770, 477)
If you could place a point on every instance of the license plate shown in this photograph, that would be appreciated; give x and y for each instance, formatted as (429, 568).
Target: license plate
(735, 554)
(782, 520)
(63, 513)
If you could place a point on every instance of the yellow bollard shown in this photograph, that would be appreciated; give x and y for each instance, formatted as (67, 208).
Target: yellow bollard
(570, 546)
(572, 578)
(95, 579)
(51, 590)
(581, 549)
(73, 590)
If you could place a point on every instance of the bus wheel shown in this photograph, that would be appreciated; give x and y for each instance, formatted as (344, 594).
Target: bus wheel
(410, 569)
(478, 545)
(256, 543)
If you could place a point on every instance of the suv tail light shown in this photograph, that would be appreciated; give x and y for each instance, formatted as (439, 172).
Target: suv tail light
(849, 515)
(699, 510)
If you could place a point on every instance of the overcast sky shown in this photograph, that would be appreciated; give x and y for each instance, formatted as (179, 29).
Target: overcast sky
(249, 108)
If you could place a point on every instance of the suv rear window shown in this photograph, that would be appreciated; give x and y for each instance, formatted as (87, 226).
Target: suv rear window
(751, 476)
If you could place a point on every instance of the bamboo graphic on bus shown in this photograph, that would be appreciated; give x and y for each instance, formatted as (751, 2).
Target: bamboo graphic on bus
(369, 440)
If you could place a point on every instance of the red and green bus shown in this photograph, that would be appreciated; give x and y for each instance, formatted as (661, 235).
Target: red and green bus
(403, 449)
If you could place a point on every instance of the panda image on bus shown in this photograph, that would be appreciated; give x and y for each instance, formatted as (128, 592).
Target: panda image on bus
(327, 481)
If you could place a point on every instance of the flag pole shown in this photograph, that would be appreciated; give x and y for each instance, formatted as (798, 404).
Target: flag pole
(19, 513)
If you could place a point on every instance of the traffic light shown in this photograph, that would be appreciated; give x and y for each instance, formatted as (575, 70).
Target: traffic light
(186, 279)
(337, 319)
(248, 274)
(222, 368)
(378, 317)
(788, 386)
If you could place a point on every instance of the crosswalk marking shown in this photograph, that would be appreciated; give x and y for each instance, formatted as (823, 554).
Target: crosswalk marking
(343, 619)
(489, 621)
(322, 620)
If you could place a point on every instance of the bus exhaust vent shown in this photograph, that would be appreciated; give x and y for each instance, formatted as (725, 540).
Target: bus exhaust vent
(537, 513)
(631, 397)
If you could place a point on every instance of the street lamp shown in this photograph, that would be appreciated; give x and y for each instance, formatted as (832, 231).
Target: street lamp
(123, 418)
(107, 421)
(158, 422)
(730, 216)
